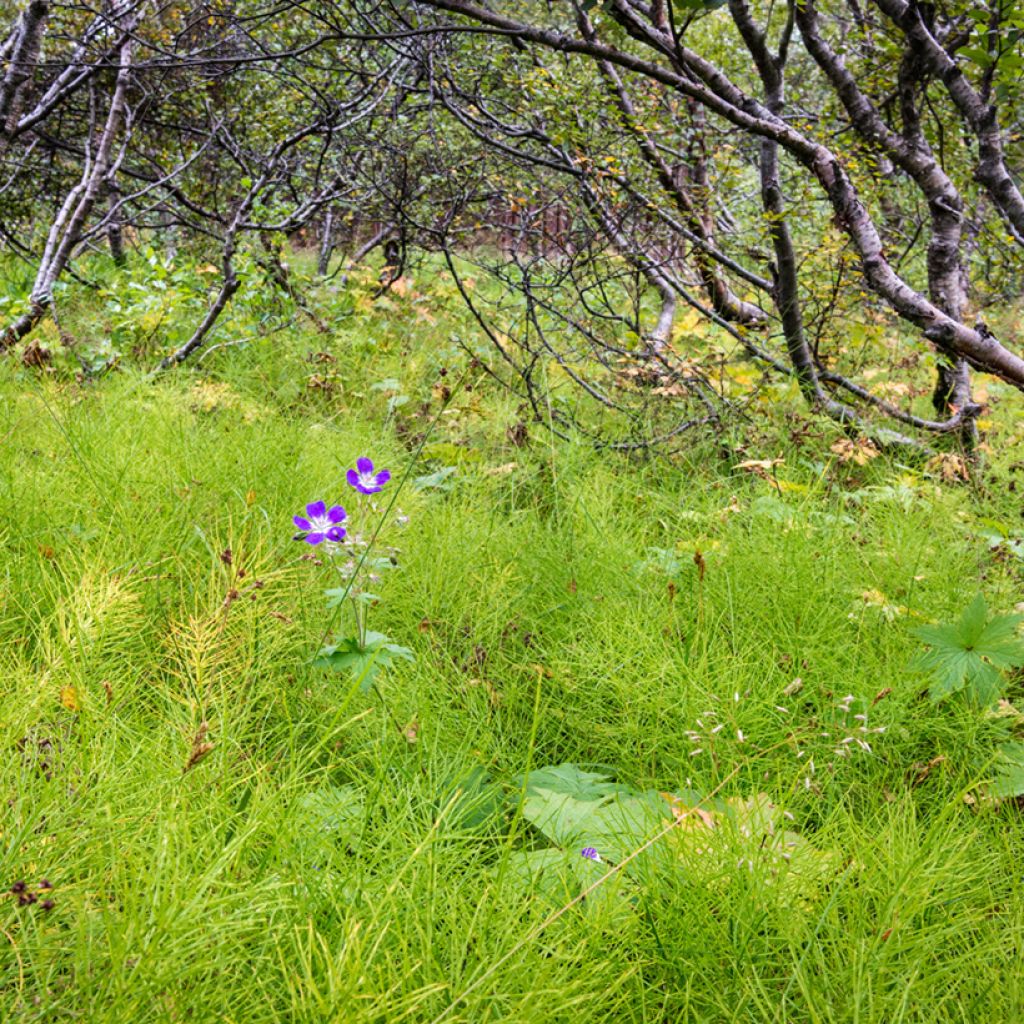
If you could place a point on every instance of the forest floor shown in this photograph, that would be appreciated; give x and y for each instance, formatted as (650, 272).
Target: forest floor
(702, 669)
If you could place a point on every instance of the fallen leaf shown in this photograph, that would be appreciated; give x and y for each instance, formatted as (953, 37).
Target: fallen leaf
(950, 467)
(924, 770)
(760, 467)
(861, 451)
(682, 811)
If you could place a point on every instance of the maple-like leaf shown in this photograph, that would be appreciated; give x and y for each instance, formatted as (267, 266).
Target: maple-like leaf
(970, 654)
(362, 660)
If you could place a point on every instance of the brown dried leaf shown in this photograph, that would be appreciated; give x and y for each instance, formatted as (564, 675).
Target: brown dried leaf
(861, 451)
(200, 747)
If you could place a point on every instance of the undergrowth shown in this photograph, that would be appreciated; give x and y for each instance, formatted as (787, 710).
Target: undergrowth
(718, 650)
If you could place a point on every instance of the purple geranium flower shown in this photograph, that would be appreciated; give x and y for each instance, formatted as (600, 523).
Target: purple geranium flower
(321, 523)
(363, 478)
(590, 854)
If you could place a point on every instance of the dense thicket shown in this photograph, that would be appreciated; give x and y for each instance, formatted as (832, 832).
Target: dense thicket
(794, 174)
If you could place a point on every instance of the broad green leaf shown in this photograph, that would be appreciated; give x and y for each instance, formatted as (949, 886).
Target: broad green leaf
(567, 778)
(438, 481)
(561, 818)
(362, 661)
(472, 800)
(324, 824)
(970, 654)
(1009, 780)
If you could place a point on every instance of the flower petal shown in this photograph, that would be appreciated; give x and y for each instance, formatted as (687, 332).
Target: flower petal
(353, 479)
(302, 524)
(336, 514)
(315, 538)
(383, 477)
(316, 510)
(364, 465)
(336, 533)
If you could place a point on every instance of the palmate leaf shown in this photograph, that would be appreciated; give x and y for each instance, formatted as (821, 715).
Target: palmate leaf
(704, 840)
(970, 654)
(575, 808)
(574, 782)
(323, 825)
(362, 661)
(1009, 779)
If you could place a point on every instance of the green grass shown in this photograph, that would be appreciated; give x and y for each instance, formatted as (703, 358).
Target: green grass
(536, 595)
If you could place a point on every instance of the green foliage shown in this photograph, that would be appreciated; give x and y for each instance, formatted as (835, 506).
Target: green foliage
(324, 825)
(440, 479)
(1009, 777)
(317, 863)
(1001, 538)
(620, 824)
(971, 654)
(362, 660)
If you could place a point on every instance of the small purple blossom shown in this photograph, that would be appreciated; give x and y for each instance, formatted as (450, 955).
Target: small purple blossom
(363, 478)
(589, 853)
(321, 523)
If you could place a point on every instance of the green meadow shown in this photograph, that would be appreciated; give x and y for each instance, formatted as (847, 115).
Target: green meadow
(702, 667)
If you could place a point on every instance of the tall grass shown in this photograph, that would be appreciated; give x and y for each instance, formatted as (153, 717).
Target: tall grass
(563, 607)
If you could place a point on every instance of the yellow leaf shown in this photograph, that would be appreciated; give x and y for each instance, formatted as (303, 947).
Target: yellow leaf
(792, 486)
(69, 698)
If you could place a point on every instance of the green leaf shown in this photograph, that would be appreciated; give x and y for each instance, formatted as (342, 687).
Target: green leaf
(567, 778)
(561, 818)
(573, 809)
(704, 839)
(472, 800)
(362, 661)
(662, 560)
(970, 654)
(1009, 780)
(976, 55)
(439, 480)
(324, 824)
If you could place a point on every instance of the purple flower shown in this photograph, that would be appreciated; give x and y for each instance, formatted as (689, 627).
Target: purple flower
(321, 523)
(363, 478)
(591, 854)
